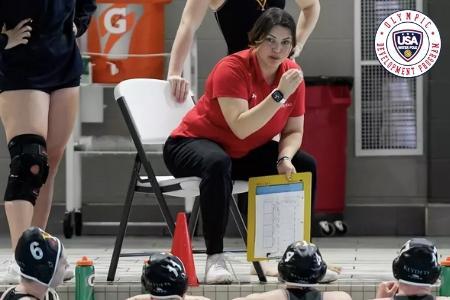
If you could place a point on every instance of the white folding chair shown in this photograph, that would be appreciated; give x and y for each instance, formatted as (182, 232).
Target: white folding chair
(151, 113)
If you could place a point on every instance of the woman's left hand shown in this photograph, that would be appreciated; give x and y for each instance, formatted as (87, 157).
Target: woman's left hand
(286, 167)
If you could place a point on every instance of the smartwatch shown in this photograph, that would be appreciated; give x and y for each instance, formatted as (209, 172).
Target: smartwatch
(277, 96)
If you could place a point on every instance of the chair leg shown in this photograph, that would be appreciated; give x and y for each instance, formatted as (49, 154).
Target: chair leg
(159, 195)
(123, 222)
(243, 231)
(193, 220)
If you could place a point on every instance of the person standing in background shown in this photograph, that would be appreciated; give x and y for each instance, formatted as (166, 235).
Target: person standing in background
(40, 69)
(235, 19)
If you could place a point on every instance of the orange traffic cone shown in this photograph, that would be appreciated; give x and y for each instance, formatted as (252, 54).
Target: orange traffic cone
(181, 247)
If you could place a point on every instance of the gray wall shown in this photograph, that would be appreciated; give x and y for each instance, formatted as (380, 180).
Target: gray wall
(439, 127)
(438, 116)
(394, 187)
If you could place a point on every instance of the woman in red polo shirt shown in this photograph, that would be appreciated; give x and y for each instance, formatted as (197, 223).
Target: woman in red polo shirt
(250, 97)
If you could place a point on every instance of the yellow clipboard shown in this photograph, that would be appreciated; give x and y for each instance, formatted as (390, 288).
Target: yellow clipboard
(271, 192)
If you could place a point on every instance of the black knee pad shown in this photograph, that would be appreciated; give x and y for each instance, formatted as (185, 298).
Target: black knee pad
(26, 150)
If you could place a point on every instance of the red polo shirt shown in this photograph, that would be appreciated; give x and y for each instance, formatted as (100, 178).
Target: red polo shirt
(239, 76)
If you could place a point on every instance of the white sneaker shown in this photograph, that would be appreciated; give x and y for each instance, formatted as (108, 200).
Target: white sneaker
(216, 271)
(330, 276)
(12, 275)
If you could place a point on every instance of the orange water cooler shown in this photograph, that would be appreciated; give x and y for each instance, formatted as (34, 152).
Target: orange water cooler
(126, 40)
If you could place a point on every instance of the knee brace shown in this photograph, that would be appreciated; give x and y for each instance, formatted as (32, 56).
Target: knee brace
(27, 151)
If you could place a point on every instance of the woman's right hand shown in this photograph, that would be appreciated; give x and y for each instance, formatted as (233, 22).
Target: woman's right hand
(18, 35)
(179, 87)
(286, 167)
(289, 81)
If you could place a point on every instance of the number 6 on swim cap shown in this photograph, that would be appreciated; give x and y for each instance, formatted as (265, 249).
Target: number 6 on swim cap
(38, 254)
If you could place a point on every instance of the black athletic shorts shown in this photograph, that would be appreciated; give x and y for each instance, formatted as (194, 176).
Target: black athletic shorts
(7, 85)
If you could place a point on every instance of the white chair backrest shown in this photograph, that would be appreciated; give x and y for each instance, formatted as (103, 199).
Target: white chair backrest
(153, 109)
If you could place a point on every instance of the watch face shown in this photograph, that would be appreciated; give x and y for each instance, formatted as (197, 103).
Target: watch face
(277, 96)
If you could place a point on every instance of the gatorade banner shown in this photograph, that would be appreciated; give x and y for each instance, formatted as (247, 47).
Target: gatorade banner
(126, 40)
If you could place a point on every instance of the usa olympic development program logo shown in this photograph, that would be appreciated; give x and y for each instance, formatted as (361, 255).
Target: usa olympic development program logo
(407, 43)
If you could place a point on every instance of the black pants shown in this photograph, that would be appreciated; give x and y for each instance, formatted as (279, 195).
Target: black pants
(205, 159)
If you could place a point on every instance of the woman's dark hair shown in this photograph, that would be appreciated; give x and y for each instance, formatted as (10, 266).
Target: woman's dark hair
(269, 19)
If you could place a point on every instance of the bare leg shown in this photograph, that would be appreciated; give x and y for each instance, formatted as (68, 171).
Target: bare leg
(61, 119)
(19, 214)
(24, 111)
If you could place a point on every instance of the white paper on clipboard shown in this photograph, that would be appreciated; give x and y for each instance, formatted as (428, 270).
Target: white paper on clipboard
(279, 218)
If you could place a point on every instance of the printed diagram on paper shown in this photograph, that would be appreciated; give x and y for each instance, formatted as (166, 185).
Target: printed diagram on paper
(279, 218)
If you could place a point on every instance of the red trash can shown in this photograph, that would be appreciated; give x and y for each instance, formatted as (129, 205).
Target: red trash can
(325, 137)
(126, 40)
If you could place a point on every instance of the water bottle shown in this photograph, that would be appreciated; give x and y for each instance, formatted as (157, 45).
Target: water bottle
(84, 279)
(444, 289)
